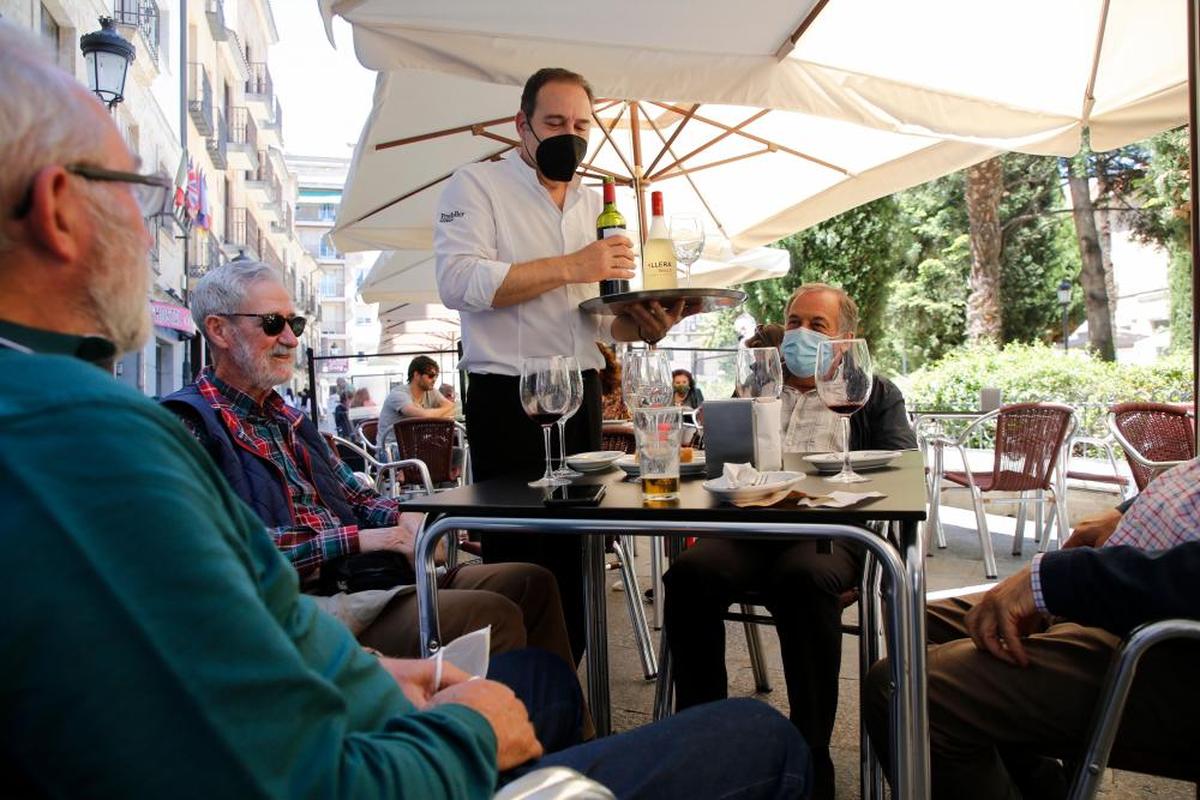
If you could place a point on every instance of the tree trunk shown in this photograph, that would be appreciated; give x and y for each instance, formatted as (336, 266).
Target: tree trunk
(984, 187)
(1091, 275)
(1104, 222)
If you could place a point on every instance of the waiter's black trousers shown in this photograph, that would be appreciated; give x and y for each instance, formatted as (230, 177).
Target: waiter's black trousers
(506, 443)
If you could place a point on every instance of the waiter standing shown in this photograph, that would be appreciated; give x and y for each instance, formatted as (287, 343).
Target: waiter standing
(517, 253)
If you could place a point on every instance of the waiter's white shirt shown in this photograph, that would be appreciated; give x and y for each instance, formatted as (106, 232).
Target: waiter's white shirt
(493, 215)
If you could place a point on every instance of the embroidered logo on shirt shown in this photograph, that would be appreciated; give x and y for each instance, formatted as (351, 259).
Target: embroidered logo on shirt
(453, 215)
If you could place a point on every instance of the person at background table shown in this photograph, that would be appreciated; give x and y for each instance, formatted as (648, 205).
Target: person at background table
(417, 398)
(803, 587)
(1015, 674)
(686, 394)
(362, 406)
(341, 416)
(516, 248)
(613, 402)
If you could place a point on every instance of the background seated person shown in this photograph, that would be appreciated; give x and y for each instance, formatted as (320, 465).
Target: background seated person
(327, 524)
(802, 586)
(417, 398)
(686, 394)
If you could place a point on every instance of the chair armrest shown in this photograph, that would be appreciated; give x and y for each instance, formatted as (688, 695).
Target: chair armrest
(1116, 690)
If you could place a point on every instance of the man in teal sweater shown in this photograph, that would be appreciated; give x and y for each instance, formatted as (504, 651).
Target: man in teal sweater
(155, 640)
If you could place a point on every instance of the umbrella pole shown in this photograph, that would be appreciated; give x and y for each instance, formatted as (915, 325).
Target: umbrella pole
(1193, 91)
(635, 133)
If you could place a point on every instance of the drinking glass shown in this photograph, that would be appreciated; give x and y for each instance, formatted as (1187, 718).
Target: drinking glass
(687, 235)
(545, 396)
(844, 377)
(658, 431)
(646, 379)
(576, 379)
(759, 372)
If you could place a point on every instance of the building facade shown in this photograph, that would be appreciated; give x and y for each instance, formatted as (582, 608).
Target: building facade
(198, 106)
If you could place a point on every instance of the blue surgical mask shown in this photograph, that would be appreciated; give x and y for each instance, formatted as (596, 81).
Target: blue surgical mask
(799, 349)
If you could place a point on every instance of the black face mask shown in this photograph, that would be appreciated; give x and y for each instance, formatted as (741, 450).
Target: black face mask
(559, 156)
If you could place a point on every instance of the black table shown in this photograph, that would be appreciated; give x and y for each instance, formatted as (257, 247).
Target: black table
(508, 504)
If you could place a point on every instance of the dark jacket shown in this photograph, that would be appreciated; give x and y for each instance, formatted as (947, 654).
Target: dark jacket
(255, 479)
(882, 424)
(1119, 588)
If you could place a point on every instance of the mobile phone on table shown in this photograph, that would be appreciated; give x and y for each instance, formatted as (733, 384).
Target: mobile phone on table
(573, 495)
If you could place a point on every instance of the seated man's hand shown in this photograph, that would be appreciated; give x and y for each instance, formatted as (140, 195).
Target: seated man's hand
(1002, 617)
(1094, 531)
(400, 538)
(516, 742)
(415, 677)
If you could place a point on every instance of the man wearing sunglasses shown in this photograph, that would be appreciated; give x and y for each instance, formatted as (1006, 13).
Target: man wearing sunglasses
(334, 530)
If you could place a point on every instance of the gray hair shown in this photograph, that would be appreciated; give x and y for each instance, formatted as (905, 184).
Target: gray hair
(223, 288)
(847, 308)
(40, 119)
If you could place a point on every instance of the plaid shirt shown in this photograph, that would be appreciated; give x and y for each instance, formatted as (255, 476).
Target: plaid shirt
(1165, 514)
(269, 431)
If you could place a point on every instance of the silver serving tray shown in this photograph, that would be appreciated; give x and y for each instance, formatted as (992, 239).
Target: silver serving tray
(696, 300)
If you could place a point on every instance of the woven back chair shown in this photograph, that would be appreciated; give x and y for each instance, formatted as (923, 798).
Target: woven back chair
(618, 440)
(368, 433)
(431, 440)
(1030, 439)
(1155, 437)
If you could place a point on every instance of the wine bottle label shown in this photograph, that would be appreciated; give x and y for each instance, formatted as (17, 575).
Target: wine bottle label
(604, 233)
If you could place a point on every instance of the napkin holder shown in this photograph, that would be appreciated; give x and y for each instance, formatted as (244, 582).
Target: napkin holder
(741, 431)
(728, 434)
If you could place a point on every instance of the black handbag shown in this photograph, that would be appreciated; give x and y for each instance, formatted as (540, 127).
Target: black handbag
(381, 569)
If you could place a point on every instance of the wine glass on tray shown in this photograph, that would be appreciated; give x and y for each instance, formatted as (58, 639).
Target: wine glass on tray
(546, 396)
(687, 237)
(844, 376)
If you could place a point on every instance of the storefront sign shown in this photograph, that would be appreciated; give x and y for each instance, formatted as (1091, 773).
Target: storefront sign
(169, 315)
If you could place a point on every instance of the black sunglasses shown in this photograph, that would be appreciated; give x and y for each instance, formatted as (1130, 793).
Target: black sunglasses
(272, 324)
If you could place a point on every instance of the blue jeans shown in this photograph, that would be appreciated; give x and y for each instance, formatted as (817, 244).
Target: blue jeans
(731, 749)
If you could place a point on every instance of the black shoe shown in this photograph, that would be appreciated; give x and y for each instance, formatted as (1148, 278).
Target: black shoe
(649, 595)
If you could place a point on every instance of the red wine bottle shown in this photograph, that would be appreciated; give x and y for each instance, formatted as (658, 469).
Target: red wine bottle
(611, 223)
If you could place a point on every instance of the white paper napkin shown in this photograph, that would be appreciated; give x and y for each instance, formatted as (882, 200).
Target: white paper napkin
(837, 499)
(738, 476)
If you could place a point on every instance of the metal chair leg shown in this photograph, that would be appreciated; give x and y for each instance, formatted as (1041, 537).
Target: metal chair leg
(869, 651)
(985, 537)
(935, 499)
(656, 582)
(762, 682)
(664, 687)
(637, 612)
(1019, 531)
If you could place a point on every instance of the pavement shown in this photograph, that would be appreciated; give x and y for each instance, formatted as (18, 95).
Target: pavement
(959, 565)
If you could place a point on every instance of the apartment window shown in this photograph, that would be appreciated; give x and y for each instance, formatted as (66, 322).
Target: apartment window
(333, 284)
(50, 31)
(142, 14)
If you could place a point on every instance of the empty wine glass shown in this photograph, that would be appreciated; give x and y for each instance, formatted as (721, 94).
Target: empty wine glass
(844, 377)
(646, 379)
(545, 396)
(687, 235)
(576, 379)
(759, 372)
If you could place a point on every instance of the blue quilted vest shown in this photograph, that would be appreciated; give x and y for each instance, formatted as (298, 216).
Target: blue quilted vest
(257, 480)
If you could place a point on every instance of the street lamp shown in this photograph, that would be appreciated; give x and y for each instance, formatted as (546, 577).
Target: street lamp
(1064, 300)
(107, 55)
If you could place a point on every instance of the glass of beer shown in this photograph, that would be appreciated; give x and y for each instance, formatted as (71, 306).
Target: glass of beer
(658, 433)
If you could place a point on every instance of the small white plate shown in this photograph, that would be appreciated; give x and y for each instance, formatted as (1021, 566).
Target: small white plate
(859, 459)
(776, 481)
(691, 468)
(595, 461)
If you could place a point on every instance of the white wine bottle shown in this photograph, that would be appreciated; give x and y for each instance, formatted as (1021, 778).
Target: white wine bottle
(611, 223)
(658, 254)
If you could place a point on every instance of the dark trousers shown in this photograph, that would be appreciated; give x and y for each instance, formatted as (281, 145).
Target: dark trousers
(506, 443)
(739, 749)
(802, 588)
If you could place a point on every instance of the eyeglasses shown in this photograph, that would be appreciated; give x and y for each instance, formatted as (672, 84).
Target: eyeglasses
(272, 324)
(152, 192)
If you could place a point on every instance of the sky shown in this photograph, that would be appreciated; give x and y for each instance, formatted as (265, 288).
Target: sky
(325, 93)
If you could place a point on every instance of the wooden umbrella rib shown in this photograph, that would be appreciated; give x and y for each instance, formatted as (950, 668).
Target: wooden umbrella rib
(789, 43)
(1089, 93)
(726, 131)
(424, 137)
(752, 137)
(699, 195)
(607, 131)
(692, 170)
(674, 135)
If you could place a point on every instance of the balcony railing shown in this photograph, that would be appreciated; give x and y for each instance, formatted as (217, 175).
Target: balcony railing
(203, 254)
(283, 225)
(217, 143)
(200, 98)
(143, 15)
(215, 10)
(271, 257)
(242, 130)
(241, 231)
(259, 83)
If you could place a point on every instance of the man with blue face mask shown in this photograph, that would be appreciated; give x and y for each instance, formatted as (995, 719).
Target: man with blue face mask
(802, 586)
(516, 248)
